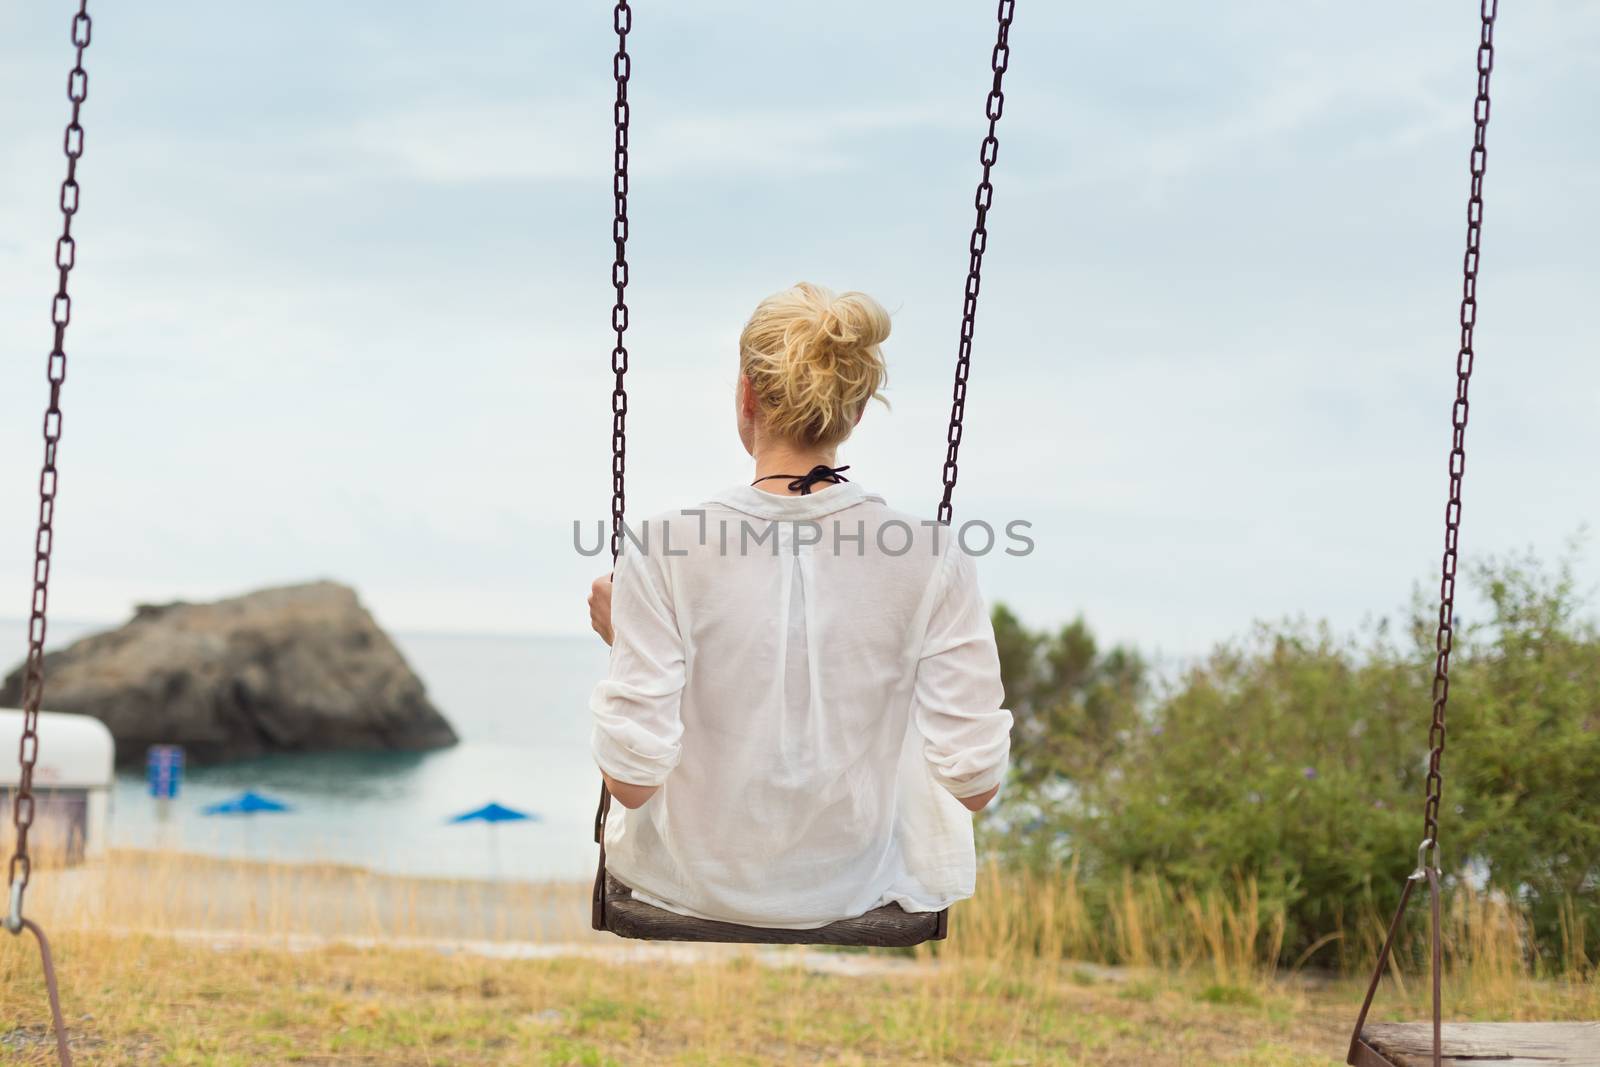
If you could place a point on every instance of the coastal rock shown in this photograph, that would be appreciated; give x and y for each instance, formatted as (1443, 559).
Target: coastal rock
(301, 668)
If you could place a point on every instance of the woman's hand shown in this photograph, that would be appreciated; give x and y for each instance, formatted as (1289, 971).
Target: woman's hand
(600, 607)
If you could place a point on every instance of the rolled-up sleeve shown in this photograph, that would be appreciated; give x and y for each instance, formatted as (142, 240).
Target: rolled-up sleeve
(638, 729)
(958, 694)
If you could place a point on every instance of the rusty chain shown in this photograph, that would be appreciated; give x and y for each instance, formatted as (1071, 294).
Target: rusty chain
(999, 61)
(20, 870)
(22, 809)
(621, 68)
(1444, 639)
(1427, 869)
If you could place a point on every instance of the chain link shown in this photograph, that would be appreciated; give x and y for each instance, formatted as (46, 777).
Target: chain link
(22, 808)
(999, 60)
(622, 21)
(1444, 639)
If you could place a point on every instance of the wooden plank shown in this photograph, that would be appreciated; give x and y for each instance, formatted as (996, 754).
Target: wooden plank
(888, 926)
(1575, 1044)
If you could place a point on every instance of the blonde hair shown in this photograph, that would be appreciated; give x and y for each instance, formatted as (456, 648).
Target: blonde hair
(813, 361)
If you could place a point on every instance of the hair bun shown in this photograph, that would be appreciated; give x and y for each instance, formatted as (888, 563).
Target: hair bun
(814, 360)
(852, 321)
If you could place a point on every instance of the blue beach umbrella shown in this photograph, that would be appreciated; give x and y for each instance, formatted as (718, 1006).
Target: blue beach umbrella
(492, 815)
(248, 805)
(245, 803)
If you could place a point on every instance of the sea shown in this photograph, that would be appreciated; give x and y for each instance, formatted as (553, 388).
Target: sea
(520, 706)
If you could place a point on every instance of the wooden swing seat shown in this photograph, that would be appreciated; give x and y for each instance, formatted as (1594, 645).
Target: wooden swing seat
(1470, 1044)
(886, 927)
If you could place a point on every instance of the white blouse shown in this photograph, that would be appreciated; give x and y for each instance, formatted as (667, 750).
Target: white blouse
(812, 681)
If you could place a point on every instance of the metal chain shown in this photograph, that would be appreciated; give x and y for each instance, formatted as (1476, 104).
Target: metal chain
(621, 68)
(1444, 639)
(999, 60)
(621, 65)
(20, 871)
(22, 809)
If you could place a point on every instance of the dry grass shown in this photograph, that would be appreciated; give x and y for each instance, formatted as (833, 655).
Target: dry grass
(176, 892)
(1235, 938)
(1022, 979)
(150, 1000)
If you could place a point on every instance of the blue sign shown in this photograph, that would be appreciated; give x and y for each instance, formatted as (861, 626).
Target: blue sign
(163, 770)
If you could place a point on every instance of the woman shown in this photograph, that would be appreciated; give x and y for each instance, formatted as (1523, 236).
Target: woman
(804, 696)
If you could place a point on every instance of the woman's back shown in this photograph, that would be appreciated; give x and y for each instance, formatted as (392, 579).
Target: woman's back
(811, 681)
(803, 683)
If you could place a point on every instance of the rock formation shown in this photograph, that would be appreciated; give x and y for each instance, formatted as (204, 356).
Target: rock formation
(302, 668)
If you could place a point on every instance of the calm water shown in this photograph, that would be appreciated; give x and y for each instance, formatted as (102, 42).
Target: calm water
(521, 708)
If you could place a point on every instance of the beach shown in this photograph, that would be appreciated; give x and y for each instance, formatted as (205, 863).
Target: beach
(520, 704)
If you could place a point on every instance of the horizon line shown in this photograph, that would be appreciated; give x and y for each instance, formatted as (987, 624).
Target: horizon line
(397, 631)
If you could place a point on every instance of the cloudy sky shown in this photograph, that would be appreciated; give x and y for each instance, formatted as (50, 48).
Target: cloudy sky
(342, 301)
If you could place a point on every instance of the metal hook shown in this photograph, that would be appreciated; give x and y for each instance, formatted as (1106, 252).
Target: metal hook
(1421, 872)
(14, 915)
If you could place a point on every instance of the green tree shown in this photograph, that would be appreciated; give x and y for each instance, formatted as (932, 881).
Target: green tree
(1297, 757)
(1074, 705)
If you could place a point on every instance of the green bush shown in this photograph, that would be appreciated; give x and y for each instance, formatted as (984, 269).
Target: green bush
(1296, 757)
(1523, 756)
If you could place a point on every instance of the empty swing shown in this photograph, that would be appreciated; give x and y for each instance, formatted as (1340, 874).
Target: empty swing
(614, 906)
(1412, 1044)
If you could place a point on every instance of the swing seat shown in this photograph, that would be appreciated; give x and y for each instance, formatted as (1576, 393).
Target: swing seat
(1466, 1044)
(887, 927)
